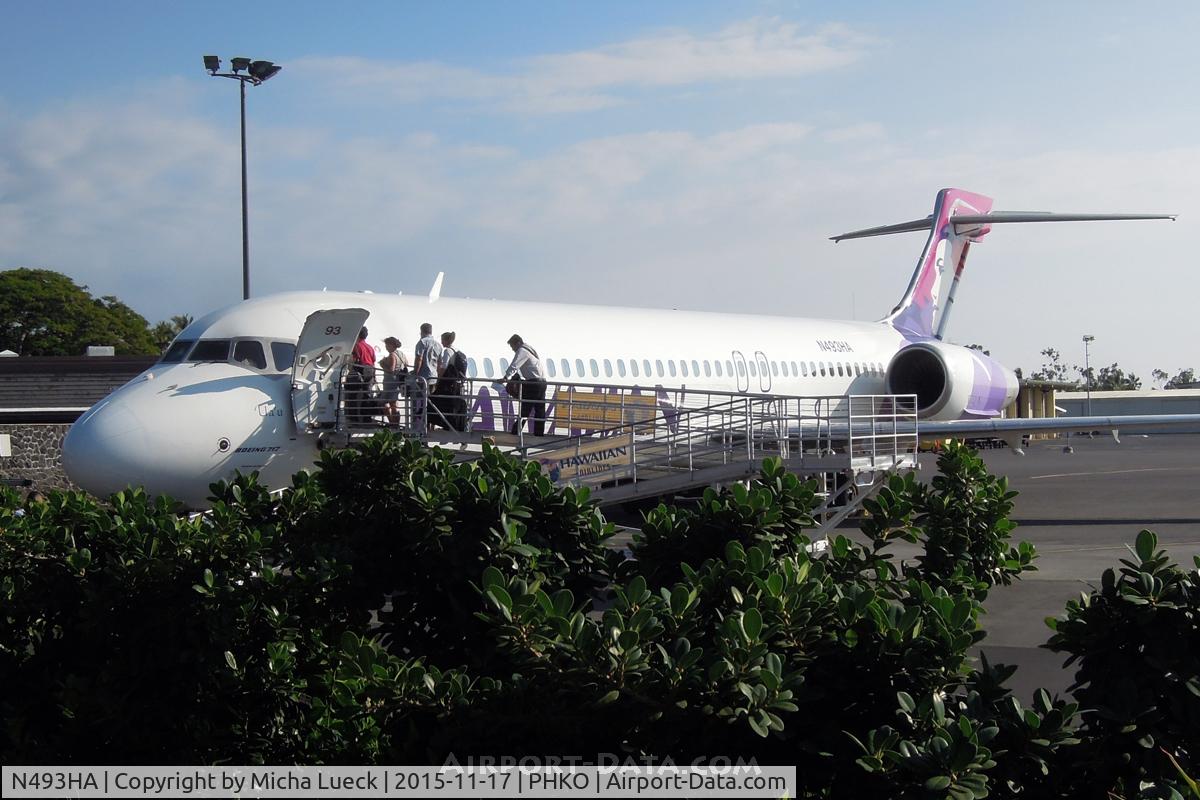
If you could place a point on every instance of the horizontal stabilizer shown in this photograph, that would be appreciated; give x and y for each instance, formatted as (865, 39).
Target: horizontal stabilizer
(967, 221)
(884, 230)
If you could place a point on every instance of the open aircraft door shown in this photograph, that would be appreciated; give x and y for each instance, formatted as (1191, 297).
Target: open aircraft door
(326, 343)
(739, 369)
(764, 370)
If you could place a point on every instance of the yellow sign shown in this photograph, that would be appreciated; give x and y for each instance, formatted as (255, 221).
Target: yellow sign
(589, 410)
(608, 458)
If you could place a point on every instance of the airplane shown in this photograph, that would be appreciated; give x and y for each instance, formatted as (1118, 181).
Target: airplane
(237, 389)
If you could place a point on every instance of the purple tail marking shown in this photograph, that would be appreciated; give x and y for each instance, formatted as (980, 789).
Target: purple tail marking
(914, 316)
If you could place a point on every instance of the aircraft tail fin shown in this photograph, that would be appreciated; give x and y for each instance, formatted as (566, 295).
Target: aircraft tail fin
(959, 218)
(946, 248)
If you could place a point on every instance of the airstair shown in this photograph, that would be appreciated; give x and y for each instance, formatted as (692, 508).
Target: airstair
(627, 443)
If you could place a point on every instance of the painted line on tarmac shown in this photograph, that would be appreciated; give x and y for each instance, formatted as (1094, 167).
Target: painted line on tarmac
(1043, 551)
(1108, 472)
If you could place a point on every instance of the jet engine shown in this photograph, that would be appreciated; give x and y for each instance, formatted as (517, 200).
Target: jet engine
(951, 382)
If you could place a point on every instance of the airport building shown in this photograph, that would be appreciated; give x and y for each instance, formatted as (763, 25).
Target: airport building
(39, 399)
(1143, 401)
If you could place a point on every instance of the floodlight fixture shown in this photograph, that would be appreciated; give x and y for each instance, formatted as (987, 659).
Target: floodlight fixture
(263, 70)
(245, 71)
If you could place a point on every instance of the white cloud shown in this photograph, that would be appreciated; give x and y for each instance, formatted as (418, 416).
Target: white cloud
(589, 80)
(141, 200)
(861, 132)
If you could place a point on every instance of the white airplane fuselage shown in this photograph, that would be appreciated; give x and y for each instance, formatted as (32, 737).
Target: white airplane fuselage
(230, 391)
(180, 426)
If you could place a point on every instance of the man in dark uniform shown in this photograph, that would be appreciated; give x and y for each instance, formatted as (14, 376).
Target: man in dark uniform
(532, 385)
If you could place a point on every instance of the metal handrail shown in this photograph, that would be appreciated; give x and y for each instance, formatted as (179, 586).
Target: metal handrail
(597, 434)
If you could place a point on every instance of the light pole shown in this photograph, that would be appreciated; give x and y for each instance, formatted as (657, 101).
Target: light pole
(256, 72)
(1087, 371)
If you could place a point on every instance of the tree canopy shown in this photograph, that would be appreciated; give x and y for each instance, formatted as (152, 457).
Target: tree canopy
(1182, 379)
(45, 313)
(1110, 378)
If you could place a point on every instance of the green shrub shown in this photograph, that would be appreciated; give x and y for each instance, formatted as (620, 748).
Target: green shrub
(1136, 644)
(397, 607)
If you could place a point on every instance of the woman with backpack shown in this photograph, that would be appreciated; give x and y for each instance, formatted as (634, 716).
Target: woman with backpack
(448, 392)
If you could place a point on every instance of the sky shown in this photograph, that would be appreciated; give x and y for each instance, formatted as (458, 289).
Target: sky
(689, 155)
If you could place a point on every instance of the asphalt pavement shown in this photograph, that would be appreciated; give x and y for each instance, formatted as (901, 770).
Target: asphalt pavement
(1081, 510)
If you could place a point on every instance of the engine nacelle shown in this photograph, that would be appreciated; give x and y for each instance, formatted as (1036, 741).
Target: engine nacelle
(951, 382)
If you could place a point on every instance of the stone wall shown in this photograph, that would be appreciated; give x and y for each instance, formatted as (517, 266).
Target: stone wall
(36, 455)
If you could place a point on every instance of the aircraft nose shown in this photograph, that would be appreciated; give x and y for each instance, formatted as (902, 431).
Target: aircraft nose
(104, 450)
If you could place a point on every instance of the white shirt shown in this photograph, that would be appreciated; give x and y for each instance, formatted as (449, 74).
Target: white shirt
(527, 364)
(444, 361)
(429, 351)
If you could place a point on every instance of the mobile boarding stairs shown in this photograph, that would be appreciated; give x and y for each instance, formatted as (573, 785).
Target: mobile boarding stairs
(627, 443)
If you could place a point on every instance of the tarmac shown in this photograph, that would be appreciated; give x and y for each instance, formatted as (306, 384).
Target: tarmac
(1080, 510)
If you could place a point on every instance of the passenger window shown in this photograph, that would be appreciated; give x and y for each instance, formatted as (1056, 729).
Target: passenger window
(487, 367)
(503, 366)
(646, 367)
(822, 369)
(794, 370)
(178, 350)
(741, 369)
(683, 368)
(729, 369)
(250, 353)
(211, 350)
(658, 363)
(633, 367)
(471, 373)
(621, 367)
(774, 368)
(607, 368)
(695, 368)
(785, 368)
(283, 354)
(753, 370)
(550, 368)
(566, 367)
(579, 370)
(804, 369)
(708, 368)
(671, 367)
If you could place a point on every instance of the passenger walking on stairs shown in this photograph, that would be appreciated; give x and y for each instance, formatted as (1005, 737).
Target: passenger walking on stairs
(360, 379)
(448, 394)
(531, 386)
(395, 368)
(428, 355)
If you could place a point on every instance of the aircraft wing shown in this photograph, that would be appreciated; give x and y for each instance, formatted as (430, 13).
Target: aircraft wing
(1012, 429)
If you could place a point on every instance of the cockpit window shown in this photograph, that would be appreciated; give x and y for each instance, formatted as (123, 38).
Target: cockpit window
(178, 350)
(249, 353)
(210, 350)
(283, 353)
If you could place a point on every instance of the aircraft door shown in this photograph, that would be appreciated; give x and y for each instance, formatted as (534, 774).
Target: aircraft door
(764, 371)
(740, 371)
(325, 345)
